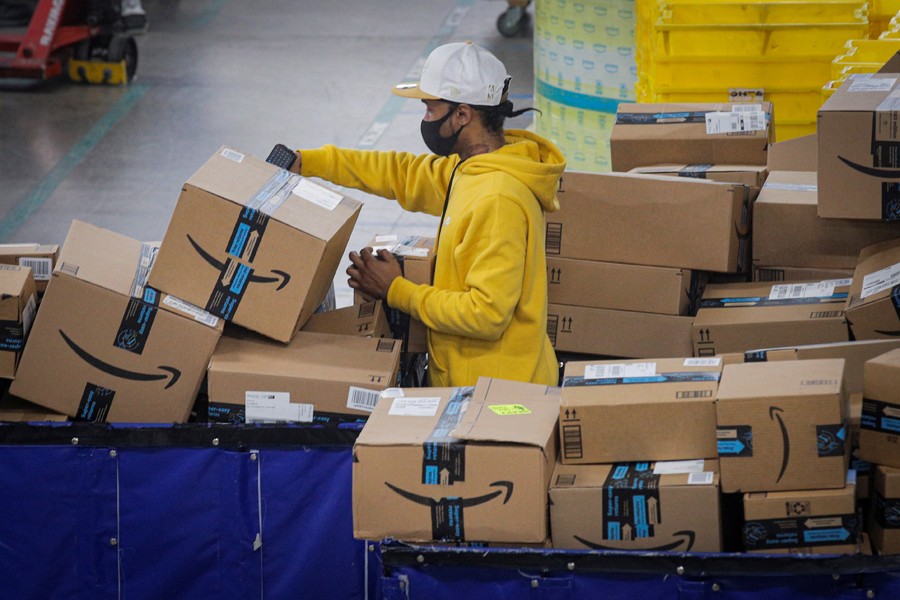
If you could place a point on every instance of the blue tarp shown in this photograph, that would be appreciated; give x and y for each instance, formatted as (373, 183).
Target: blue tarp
(92, 511)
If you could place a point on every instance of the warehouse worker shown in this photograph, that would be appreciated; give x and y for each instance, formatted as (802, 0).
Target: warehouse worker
(486, 310)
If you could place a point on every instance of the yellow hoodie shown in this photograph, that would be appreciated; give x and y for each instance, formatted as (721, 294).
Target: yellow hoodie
(487, 309)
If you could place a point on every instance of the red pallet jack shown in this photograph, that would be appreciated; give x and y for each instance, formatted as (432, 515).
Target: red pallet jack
(83, 37)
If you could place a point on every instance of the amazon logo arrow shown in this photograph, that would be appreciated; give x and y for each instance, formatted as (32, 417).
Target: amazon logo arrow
(283, 277)
(115, 371)
(688, 540)
(775, 413)
(462, 502)
(881, 173)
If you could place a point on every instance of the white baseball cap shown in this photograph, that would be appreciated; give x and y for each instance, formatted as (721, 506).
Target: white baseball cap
(460, 72)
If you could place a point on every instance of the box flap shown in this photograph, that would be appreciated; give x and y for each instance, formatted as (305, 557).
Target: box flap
(510, 412)
(814, 377)
(410, 416)
(291, 199)
(798, 154)
(102, 257)
(862, 93)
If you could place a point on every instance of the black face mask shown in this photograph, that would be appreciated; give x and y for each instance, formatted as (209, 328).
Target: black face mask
(438, 144)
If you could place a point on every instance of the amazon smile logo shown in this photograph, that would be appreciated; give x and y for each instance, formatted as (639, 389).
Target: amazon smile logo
(687, 540)
(879, 172)
(775, 414)
(461, 502)
(279, 276)
(170, 373)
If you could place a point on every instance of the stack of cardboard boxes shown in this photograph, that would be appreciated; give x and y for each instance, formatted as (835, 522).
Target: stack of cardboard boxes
(130, 331)
(628, 253)
(638, 468)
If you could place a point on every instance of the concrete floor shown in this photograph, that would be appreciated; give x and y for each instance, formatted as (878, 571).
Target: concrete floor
(242, 73)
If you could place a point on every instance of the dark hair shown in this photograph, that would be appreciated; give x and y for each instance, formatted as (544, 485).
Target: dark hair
(493, 117)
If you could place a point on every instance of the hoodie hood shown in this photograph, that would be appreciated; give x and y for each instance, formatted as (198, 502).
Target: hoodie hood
(528, 157)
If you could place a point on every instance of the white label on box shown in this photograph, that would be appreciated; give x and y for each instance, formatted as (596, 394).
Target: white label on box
(821, 289)
(747, 105)
(232, 155)
(385, 239)
(620, 370)
(28, 314)
(871, 84)
(704, 478)
(41, 268)
(362, 398)
(733, 122)
(316, 194)
(418, 252)
(196, 312)
(392, 393)
(415, 407)
(881, 280)
(275, 407)
(674, 467)
(712, 361)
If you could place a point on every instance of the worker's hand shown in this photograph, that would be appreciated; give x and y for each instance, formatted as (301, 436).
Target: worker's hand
(372, 274)
(295, 168)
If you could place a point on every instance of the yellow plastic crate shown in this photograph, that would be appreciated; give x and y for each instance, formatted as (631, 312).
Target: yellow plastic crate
(799, 41)
(737, 72)
(864, 56)
(790, 105)
(703, 12)
(789, 131)
(884, 8)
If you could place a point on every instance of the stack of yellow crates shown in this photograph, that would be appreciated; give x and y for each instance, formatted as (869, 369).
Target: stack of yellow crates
(726, 51)
(867, 55)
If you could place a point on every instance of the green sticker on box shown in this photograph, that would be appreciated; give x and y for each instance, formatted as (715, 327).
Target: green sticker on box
(509, 409)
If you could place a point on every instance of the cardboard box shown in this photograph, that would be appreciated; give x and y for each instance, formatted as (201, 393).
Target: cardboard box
(597, 284)
(41, 258)
(855, 355)
(651, 220)
(16, 410)
(782, 426)
(106, 347)
(656, 134)
(655, 507)
(879, 435)
(857, 161)
(367, 320)
(623, 333)
(750, 175)
(797, 154)
(627, 410)
(736, 317)
(873, 309)
(317, 377)
(254, 244)
(884, 529)
(787, 230)
(18, 304)
(457, 464)
(802, 522)
(784, 273)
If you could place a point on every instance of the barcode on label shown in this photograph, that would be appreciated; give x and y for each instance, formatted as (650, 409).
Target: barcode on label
(553, 244)
(565, 480)
(362, 398)
(694, 394)
(552, 328)
(704, 478)
(40, 267)
(233, 155)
